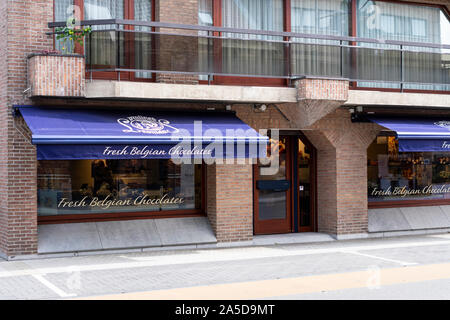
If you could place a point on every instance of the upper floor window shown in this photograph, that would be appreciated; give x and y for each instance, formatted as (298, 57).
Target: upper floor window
(329, 17)
(102, 48)
(424, 68)
(253, 14)
(397, 21)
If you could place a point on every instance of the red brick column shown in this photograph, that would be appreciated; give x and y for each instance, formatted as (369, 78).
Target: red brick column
(230, 201)
(341, 154)
(23, 24)
(177, 53)
(342, 173)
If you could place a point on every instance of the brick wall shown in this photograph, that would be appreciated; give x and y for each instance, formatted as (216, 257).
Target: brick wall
(342, 172)
(3, 128)
(23, 24)
(177, 53)
(56, 75)
(230, 186)
(271, 118)
(230, 201)
(316, 98)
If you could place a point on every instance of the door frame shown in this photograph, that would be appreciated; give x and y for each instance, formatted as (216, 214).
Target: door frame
(271, 226)
(292, 196)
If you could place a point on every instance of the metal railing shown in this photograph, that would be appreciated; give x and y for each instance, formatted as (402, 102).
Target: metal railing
(146, 48)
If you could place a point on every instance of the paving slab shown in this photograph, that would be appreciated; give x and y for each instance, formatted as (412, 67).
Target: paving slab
(69, 237)
(387, 219)
(185, 231)
(128, 234)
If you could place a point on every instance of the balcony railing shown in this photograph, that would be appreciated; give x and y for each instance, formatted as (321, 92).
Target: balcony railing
(147, 48)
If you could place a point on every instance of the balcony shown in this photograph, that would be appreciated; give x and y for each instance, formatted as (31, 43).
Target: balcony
(126, 50)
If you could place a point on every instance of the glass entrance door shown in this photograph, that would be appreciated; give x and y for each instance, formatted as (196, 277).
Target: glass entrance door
(273, 191)
(305, 185)
(284, 196)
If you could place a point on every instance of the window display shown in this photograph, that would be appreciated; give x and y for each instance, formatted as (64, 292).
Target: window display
(394, 175)
(114, 186)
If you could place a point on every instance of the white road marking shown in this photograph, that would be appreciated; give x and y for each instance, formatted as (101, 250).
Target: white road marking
(214, 255)
(52, 287)
(442, 236)
(403, 263)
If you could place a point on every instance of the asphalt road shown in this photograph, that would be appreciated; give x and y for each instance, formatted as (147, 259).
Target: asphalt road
(413, 267)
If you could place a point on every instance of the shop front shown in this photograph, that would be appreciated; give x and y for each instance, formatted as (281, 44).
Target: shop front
(102, 165)
(409, 168)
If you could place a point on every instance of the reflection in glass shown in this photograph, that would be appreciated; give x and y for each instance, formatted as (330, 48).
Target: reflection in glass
(103, 50)
(272, 204)
(240, 56)
(304, 179)
(99, 186)
(394, 175)
(384, 20)
(275, 147)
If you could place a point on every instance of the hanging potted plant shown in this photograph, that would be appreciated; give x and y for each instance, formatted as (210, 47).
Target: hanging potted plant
(53, 73)
(70, 35)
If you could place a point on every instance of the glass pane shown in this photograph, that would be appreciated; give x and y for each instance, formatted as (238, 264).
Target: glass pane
(409, 23)
(143, 41)
(103, 53)
(253, 57)
(275, 147)
(325, 17)
(63, 10)
(397, 176)
(106, 186)
(205, 18)
(305, 187)
(272, 204)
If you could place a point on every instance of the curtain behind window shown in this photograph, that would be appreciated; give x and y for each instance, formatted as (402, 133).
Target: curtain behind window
(62, 13)
(143, 41)
(409, 23)
(322, 17)
(205, 18)
(252, 57)
(104, 44)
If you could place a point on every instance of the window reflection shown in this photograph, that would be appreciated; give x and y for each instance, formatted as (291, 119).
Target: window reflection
(99, 186)
(394, 175)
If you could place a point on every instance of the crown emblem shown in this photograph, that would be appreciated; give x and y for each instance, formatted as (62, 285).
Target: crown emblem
(149, 125)
(443, 124)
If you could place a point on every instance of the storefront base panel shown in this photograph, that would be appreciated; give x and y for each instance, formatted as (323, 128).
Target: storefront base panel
(390, 234)
(409, 219)
(111, 235)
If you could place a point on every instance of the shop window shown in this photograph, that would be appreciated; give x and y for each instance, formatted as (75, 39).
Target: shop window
(402, 176)
(94, 188)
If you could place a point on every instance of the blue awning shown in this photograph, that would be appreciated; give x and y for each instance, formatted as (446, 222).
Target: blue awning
(62, 133)
(418, 134)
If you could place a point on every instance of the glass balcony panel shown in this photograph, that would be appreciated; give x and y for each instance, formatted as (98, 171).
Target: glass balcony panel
(371, 64)
(378, 63)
